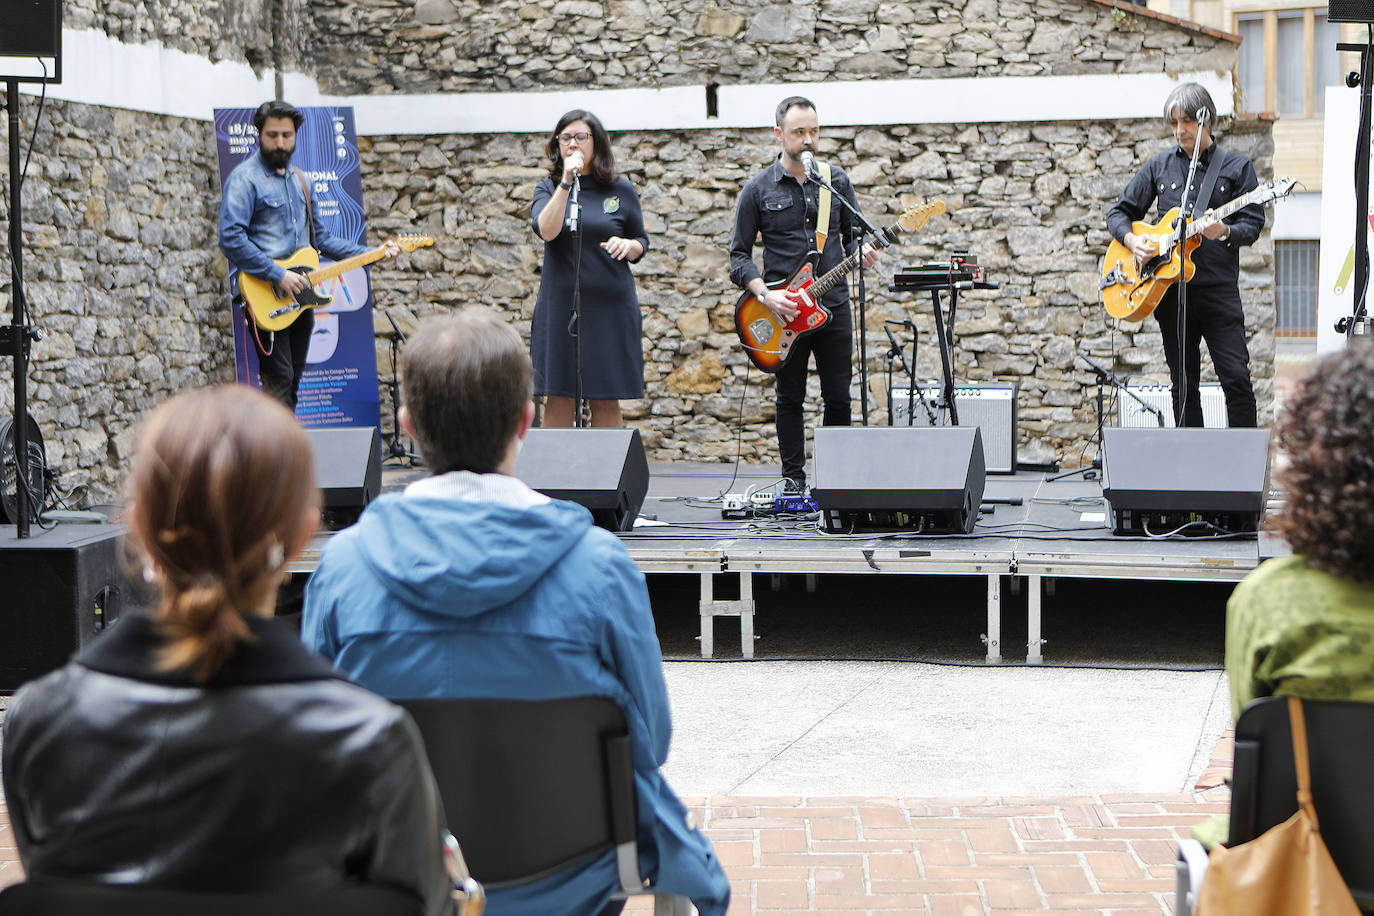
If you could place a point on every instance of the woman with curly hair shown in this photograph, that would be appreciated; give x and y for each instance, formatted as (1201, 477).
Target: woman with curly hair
(1304, 625)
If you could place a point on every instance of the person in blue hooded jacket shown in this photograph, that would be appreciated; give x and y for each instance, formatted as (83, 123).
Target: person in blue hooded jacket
(470, 584)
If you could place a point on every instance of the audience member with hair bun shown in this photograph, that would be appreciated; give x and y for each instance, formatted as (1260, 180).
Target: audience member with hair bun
(200, 746)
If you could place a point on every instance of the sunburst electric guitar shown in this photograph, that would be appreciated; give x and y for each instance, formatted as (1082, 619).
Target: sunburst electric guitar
(1130, 290)
(767, 338)
(274, 311)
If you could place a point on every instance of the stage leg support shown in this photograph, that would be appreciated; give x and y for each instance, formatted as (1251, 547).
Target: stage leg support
(993, 637)
(1033, 640)
(743, 608)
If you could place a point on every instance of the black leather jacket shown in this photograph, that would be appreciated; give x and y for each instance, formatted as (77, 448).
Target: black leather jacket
(276, 775)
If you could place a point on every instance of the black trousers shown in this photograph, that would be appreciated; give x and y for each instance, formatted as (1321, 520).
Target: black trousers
(280, 367)
(1215, 314)
(832, 346)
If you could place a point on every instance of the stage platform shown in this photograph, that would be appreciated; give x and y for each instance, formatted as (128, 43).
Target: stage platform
(1032, 530)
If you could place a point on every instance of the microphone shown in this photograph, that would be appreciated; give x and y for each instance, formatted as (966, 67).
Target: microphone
(1202, 115)
(577, 161)
(808, 162)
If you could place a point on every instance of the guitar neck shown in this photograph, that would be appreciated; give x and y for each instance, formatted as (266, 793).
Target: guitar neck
(834, 274)
(1254, 197)
(319, 275)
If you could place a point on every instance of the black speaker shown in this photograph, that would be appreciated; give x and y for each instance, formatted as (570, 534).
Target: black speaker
(348, 467)
(602, 469)
(1350, 11)
(61, 588)
(875, 478)
(31, 29)
(1202, 481)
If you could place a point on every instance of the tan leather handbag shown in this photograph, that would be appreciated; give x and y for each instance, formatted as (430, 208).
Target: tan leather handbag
(1285, 871)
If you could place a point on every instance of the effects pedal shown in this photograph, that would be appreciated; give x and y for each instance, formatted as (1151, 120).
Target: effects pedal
(795, 502)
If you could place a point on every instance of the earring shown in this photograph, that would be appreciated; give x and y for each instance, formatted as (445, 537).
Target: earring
(149, 573)
(276, 556)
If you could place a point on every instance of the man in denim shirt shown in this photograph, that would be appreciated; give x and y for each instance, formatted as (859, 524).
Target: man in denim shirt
(264, 216)
(780, 206)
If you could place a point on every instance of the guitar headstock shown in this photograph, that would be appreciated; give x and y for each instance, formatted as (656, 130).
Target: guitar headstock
(914, 220)
(1279, 187)
(411, 242)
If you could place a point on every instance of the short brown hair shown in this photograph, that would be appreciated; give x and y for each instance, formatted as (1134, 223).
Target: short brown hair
(466, 378)
(222, 481)
(1327, 433)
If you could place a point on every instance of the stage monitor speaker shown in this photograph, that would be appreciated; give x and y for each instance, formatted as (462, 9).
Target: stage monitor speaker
(348, 468)
(990, 407)
(885, 478)
(1202, 481)
(604, 470)
(1350, 11)
(31, 32)
(62, 587)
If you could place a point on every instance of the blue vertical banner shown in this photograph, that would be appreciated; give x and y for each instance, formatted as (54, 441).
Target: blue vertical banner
(339, 387)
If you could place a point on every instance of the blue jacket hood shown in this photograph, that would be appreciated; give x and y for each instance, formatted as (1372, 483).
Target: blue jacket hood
(462, 557)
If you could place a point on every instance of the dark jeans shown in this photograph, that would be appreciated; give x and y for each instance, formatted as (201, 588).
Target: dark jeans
(280, 370)
(832, 346)
(1215, 314)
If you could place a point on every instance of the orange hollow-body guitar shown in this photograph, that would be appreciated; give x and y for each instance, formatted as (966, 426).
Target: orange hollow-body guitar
(768, 339)
(274, 311)
(1131, 290)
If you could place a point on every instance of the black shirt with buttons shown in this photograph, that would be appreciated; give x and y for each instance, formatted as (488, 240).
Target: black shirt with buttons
(775, 206)
(1160, 181)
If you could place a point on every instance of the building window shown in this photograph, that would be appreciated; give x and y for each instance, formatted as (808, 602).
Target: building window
(1277, 72)
(1295, 294)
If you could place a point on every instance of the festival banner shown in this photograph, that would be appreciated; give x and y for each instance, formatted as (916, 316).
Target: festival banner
(339, 387)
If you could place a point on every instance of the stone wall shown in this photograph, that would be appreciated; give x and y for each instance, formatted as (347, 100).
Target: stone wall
(127, 284)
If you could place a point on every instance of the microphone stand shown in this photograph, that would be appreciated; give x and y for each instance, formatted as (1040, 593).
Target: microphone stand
(1357, 323)
(575, 322)
(879, 241)
(1181, 401)
(396, 449)
(895, 352)
(1105, 377)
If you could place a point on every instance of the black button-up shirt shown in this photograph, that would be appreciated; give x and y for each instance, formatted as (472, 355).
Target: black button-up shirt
(1160, 181)
(773, 204)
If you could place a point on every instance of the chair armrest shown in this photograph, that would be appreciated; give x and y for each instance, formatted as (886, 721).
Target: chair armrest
(1190, 867)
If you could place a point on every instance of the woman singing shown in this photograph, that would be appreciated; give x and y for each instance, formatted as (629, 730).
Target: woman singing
(612, 236)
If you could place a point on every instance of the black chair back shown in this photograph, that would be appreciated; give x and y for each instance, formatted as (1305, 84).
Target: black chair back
(530, 787)
(1340, 742)
(75, 898)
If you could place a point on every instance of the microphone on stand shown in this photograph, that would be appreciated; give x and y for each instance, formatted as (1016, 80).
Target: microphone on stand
(577, 161)
(808, 162)
(1202, 115)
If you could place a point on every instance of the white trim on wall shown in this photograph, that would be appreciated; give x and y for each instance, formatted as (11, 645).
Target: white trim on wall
(100, 70)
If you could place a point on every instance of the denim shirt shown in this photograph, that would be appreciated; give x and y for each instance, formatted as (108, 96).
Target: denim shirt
(263, 216)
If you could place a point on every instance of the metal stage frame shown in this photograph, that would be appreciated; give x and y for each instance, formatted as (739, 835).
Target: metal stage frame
(1054, 533)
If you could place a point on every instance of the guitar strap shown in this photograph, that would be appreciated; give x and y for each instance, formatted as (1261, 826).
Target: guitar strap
(309, 217)
(1209, 181)
(823, 207)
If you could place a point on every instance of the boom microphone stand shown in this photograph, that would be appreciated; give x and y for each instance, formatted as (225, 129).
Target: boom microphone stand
(396, 449)
(879, 241)
(17, 336)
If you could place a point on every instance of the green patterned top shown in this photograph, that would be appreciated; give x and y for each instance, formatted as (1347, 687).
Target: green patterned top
(1296, 631)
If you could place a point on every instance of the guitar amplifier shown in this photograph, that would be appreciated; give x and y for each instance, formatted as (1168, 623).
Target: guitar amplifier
(990, 407)
(1131, 415)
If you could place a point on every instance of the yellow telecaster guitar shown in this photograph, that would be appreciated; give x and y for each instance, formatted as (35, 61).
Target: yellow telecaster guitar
(1130, 290)
(274, 311)
(767, 338)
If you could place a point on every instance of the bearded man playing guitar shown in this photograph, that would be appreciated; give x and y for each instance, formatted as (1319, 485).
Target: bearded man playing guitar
(780, 205)
(268, 212)
(1213, 307)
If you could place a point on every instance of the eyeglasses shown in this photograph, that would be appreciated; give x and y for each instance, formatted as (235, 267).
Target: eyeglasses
(581, 137)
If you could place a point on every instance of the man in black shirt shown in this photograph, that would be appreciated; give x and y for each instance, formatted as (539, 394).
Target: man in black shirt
(1213, 310)
(780, 205)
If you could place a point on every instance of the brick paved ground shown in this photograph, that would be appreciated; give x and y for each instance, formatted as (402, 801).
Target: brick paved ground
(1108, 854)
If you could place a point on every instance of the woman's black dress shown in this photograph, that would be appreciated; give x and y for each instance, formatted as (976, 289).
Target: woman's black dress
(612, 338)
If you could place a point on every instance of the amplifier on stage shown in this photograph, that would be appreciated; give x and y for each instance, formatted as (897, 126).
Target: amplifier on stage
(990, 407)
(1130, 415)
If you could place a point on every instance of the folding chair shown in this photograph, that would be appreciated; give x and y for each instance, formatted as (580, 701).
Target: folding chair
(534, 787)
(1340, 742)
